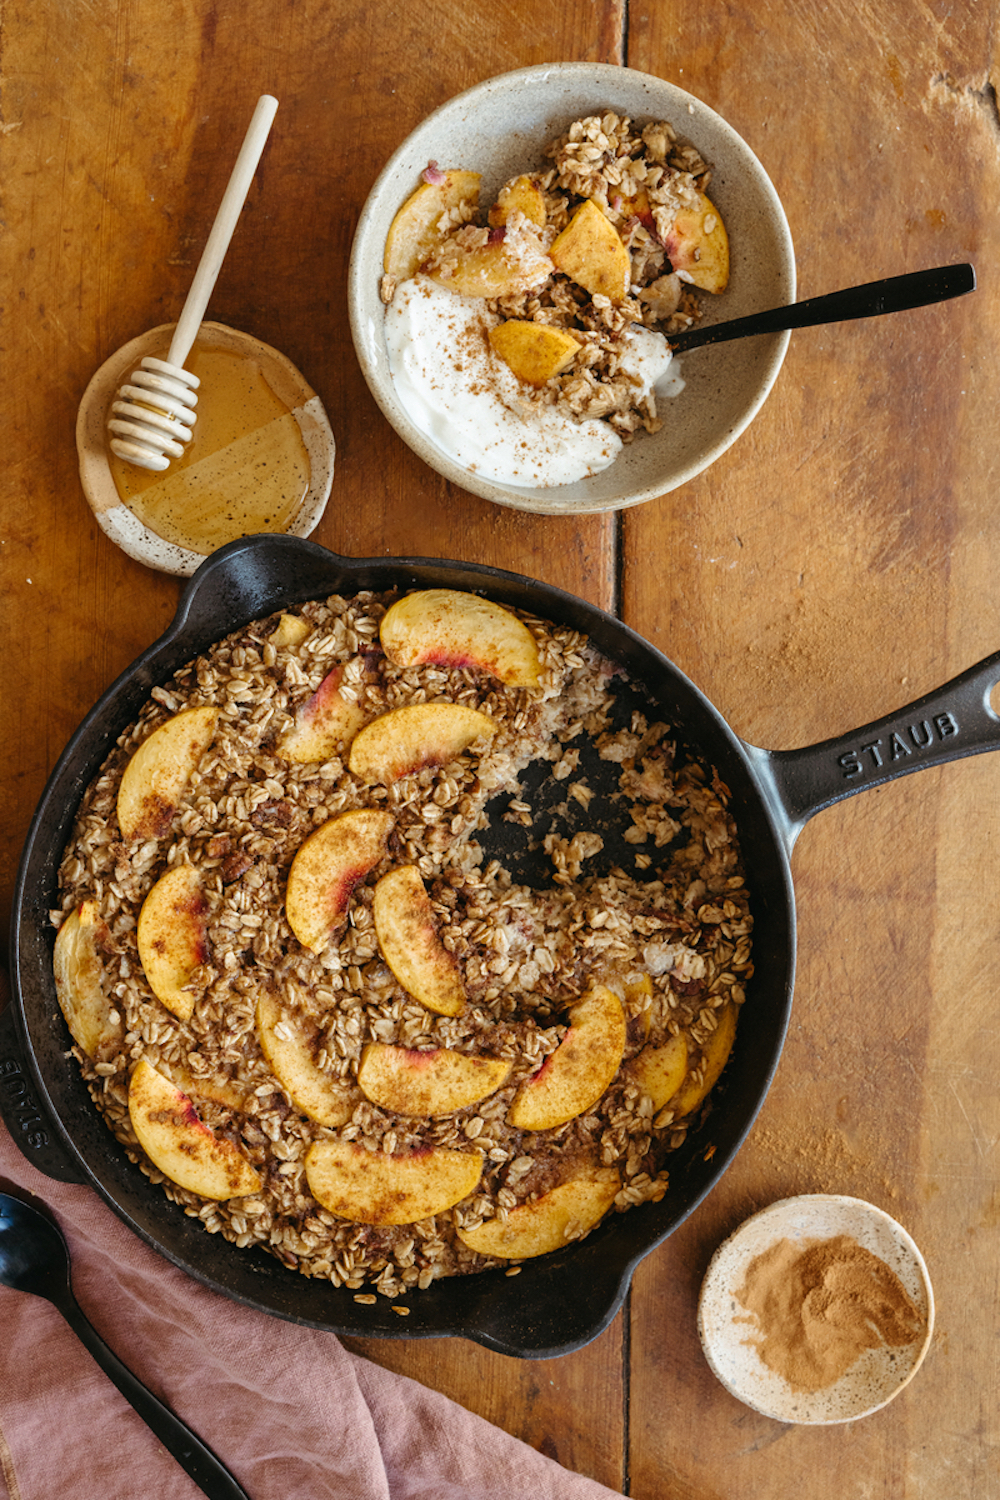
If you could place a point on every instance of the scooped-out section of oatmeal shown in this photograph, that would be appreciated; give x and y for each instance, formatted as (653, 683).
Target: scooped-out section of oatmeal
(532, 346)
(401, 939)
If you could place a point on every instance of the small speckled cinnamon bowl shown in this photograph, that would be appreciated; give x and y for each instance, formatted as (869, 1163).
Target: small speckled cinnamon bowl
(878, 1280)
(500, 129)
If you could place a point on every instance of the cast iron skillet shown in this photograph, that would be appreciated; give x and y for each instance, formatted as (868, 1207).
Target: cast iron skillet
(561, 1301)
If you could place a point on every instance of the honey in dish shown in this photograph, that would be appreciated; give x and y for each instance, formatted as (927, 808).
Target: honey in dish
(245, 469)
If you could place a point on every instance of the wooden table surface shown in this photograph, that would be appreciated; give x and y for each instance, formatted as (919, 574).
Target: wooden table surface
(838, 561)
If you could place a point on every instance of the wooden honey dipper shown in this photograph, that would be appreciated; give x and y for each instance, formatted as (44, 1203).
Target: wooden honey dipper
(154, 414)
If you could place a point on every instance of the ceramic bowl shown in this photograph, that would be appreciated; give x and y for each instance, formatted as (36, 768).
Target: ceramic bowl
(164, 549)
(501, 128)
(727, 1330)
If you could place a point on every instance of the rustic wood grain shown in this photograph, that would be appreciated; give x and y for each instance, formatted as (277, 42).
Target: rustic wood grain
(838, 561)
(832, 566)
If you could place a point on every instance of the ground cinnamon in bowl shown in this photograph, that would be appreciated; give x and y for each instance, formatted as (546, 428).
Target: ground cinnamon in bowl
(820, 1304)
(818, 1309)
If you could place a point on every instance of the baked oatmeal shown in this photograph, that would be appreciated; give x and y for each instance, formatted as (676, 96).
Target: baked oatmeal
(356, 967)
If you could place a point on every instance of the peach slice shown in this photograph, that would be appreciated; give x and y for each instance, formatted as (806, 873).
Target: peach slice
(638, 1012)
(289, 1056)
(698, 244)
(534, 351)
(501, 268)
(432, 1083)
(659, 1071)
(158, 773)
(714, 1056)
(290, 631)
(79, 977)
(641, 207)
(566, 1212)
(179, 1144)
(638, 989)
(405, 740)
(520, 195)
(575, 1075)
(408, 937)
(327, 867)
(448, 628)
(218, 1090)
(417, 228)
(324, 724)
(590, 252)
(171, 937)
(372, 1187)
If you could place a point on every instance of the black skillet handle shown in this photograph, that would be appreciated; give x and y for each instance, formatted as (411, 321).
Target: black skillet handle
(953, 721)
(30, 1127)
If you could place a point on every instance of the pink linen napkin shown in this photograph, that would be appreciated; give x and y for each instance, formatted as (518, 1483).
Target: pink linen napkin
(289, 1410)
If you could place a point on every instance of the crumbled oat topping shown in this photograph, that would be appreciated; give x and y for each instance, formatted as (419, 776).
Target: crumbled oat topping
(671, 935)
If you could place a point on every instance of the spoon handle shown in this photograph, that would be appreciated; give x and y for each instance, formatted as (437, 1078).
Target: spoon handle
(893, 294)
(191, 1453)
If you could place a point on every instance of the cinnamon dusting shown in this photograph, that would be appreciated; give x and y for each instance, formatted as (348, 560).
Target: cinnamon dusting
(820, 1304)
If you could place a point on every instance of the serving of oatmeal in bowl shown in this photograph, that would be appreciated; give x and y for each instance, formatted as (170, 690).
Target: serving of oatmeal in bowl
(521, 264)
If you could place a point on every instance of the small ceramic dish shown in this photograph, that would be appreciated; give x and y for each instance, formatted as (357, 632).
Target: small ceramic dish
(501, 128)
(727, 1330)
(175, 519)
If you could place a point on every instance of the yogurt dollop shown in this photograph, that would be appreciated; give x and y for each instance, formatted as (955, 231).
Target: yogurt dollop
(471, 404)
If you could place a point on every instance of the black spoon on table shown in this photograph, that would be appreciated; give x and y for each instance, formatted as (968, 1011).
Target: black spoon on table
(34, 1257)
(892, 294)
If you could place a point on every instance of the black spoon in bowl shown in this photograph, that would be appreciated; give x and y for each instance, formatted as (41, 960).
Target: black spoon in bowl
(892, 294)
(34, 1257)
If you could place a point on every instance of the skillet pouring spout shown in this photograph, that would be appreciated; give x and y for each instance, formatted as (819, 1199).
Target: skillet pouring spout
(949, 723)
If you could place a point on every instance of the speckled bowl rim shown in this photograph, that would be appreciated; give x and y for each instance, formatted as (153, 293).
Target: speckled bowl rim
(874, 1380)
(543, 100)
